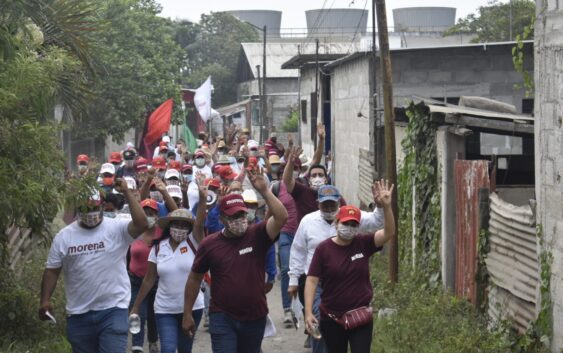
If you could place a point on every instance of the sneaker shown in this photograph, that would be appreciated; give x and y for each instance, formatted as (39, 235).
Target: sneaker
(307, 342)
(153, 347)
(288, 319)
(205, 320)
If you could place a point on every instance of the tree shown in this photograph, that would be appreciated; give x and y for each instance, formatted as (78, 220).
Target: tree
(138, 68)
(213, 47)
(492, 23)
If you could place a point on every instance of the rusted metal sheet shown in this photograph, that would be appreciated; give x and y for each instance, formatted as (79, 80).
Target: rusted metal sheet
(470, 176)
(512, 263)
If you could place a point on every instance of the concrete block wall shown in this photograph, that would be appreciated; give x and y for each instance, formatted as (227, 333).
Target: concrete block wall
(350, 87)
(549, 146)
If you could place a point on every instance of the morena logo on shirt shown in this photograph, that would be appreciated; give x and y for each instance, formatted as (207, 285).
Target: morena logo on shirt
(245, 250)
(79, 249)
(357, 256)
(183, 250)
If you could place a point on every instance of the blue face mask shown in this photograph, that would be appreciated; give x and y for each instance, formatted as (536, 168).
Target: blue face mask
(110, 214)
(189, 178)
(232, 160)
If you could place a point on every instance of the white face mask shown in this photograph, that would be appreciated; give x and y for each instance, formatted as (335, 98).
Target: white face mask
(178, 234)
(188, 178)
(82, 167)
(329, 216)
(200, 162)
(151, 221)
(238, 226)
(346, 232)
(91, 219)
(317, 182)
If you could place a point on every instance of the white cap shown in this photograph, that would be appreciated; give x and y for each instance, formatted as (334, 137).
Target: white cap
(171, 173)
(166, 139)
(131, 183)
(107, 168)
(249, 196)
(174, 191)
(130, 145)
(252, 144)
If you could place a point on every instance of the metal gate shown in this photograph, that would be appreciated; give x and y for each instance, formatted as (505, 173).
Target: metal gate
(470, 176)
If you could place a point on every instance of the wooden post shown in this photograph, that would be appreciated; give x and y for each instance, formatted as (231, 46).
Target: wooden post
(390, 158)
(261, 117)
(267, 122)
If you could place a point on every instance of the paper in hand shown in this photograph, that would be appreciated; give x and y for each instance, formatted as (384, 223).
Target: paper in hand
(51, 317)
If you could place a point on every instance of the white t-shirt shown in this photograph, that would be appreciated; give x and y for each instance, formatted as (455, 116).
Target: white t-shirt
(173, 268)
(93, 262)
(193, 192)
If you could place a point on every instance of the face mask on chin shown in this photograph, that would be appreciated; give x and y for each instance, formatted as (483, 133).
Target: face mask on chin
(346, 232)
(91, 219)
(329, 216)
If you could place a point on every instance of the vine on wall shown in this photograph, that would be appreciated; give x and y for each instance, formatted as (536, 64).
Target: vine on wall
(418, 183)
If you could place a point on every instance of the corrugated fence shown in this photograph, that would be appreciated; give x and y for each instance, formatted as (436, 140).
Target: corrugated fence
(512, 263)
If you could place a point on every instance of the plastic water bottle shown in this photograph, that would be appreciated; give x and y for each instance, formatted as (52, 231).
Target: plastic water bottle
(316, 332)
(134, 324)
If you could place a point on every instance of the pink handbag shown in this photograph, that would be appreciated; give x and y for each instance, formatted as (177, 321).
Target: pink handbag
(355, 318)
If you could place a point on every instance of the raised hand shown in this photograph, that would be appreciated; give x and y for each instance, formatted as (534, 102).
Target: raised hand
(152, 173)
(295, 152)
(256, 176)
(321, 131)
(159, 184)
(383, 192)
(120, 185)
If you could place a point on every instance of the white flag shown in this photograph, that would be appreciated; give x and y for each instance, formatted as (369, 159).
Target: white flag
(202, 100)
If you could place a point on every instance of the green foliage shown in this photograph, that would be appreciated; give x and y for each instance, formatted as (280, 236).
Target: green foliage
(518, 58)
(419, 174)
(291, 124)
(492, 22)
(482, 276)
(20, 328)
(429, 319)
(213, 48)
(138, 68)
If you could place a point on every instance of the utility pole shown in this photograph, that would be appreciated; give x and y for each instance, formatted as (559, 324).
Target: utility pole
(316, 110)
(375, 96)
(265, 120)
(261, 118)
(390, 158)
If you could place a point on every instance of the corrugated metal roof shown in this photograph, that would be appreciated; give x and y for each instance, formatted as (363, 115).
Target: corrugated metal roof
(455, 109)
(233, 108)
(279, 53)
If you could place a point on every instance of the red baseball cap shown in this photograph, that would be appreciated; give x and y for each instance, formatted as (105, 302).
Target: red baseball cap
(212, 182)
(349, 213)
(150, 203)
(175, 165)
(159, 163)
(187, 167)
(232, 204)
(141, 165)
(115, 157)
(82, 158)
(199, 153)
(163, 146)
(227, 172)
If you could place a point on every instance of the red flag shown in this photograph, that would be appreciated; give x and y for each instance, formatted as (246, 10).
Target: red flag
(157, 124)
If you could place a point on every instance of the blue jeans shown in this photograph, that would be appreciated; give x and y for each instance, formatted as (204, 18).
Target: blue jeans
(100, 331)
(233, 336)
(171, 335)
(284, 245)
(146, 313)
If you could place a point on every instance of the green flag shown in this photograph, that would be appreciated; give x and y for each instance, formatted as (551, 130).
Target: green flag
(190, 139)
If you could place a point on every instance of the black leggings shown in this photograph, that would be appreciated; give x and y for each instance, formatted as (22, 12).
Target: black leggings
(337, 338)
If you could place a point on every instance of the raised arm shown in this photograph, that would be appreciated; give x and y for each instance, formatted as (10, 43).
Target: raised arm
(320, 145)
(139, 221)
(278, 211)
(145, 188)
(168, 200)
(384, 198)
(288, 171)
(199, 224)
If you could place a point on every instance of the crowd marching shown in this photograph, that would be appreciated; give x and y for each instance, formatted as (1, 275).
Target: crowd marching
(194, 238)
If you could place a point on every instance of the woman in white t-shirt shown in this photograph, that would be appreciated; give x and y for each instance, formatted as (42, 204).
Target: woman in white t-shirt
(171, 259)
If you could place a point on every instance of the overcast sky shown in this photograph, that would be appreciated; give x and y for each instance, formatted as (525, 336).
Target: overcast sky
(293, 11)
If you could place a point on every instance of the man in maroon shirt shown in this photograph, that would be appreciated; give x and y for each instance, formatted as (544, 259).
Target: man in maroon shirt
(236, 259)
(305, 196)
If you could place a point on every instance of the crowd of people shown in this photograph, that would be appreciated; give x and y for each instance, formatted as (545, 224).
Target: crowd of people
(194, 238)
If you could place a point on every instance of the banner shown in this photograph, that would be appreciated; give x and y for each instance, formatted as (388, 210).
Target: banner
(202, 100)
(158, 122)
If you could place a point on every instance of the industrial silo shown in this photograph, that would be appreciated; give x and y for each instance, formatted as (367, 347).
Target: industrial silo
(334, 22)
(423, 19)
(261, 18)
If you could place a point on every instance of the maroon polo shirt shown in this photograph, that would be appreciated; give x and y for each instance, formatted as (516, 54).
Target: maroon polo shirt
(307, 200)
(237, 272)
(344, 274)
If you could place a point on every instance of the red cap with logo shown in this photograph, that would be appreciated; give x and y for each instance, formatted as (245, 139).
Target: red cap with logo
(349, 213)
(232, 204)
(82, 158)
(159, 163)
(150, 203)
(227, 173)
(212, 182)
(115, 157)
(187, 167)
(141, 165)
(175, 165)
